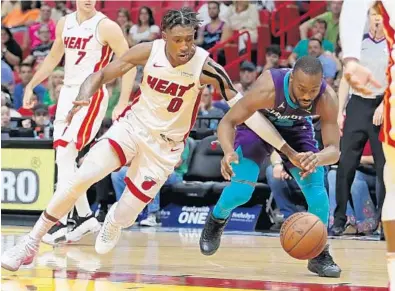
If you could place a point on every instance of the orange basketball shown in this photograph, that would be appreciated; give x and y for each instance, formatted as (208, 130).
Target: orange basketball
(303, 236)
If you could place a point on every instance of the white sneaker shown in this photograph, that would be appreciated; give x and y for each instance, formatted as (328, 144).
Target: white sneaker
(150, 220)
(22, 253)
(109, 233)
(83, 226)
(56, 233)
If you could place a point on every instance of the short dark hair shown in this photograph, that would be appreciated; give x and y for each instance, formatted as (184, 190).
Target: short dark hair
(322, 21)
(26, 65)
(316, 39)
(214, 2)
(40, 108)
(273, 49)
(184, 17)
(309, 65)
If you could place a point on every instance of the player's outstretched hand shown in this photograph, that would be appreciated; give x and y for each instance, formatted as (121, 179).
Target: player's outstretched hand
(360, 77)
(226, 165)
(78, 104)
(28, 101)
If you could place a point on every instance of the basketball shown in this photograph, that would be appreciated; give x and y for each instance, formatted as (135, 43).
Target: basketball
(303, 236)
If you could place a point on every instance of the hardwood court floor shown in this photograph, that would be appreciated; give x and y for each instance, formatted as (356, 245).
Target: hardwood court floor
(156, 259)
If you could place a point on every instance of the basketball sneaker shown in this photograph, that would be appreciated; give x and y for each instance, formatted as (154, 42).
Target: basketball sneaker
(22, 253)
(323, 265)
(56, 232)
(83, 226)
(150, 220)
(210, 239)
(109, 233)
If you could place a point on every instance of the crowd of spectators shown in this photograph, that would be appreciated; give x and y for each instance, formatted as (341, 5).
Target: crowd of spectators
(319, 37)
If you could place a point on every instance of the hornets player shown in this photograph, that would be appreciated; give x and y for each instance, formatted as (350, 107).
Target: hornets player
(288, 98)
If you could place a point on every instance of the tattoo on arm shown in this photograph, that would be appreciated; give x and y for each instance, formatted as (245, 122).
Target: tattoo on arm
(219, 80)
(220, 76)
(224, 75)
(90, 86)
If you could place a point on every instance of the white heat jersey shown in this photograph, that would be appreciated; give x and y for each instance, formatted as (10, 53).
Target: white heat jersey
(84, 53)
(170, 97)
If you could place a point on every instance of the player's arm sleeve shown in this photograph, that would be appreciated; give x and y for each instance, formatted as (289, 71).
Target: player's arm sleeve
(352, 22)
(216, 76)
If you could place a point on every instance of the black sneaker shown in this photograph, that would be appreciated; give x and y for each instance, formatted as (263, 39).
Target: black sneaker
(323, 265)
(83, 226)
(210, 239)
(57, 231)
(101, 216)
(337, 230)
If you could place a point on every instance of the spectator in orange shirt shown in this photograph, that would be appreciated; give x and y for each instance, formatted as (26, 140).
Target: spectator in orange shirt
(25, 15)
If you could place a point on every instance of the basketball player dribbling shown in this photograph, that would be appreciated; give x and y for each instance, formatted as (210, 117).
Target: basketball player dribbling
(88, 39)
(288, 98)
(360, 78)
(150, 132)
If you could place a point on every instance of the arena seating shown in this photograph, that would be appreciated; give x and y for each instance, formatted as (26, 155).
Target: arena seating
(204, 174)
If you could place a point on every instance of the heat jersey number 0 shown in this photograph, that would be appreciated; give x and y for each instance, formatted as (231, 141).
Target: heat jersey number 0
(175, 104)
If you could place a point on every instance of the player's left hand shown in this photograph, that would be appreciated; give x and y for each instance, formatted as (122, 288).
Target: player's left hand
(378, 116)
(78, 104)
(309, 162)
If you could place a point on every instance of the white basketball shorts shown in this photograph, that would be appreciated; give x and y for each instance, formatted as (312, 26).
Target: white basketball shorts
(152, 157)
(85, 123)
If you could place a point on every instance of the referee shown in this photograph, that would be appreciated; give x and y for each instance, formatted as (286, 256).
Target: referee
(364, 116)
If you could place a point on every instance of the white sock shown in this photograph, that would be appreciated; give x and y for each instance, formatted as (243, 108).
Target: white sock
(82, 206)
(41, 227)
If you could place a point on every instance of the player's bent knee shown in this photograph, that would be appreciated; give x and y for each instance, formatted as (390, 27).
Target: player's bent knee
(243, 183)
(241, 192)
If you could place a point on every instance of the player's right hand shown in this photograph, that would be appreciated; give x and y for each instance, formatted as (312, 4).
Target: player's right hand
(360, 77)
(226, 165)
(28, 101)
(78, 104)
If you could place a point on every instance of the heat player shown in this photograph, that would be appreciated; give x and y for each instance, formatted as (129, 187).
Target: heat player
(360, 78)
(88, 39)
(150, 132)
(288, 98)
